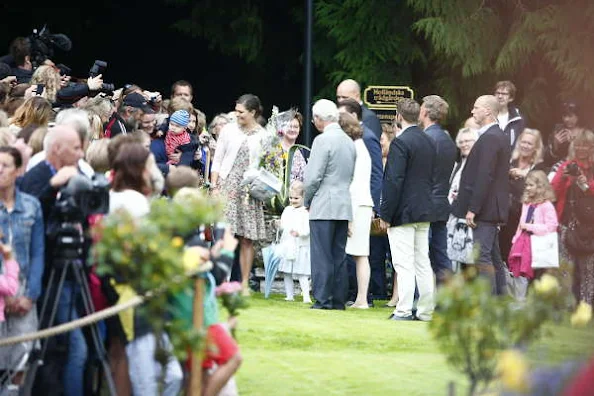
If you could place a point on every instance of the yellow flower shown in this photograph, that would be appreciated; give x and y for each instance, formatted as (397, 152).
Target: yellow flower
(192, 259)
(548, 284)
(177, 242)
(513, 369)
(582, 315)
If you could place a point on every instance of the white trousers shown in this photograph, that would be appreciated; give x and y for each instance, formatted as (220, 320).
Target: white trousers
(409, 245)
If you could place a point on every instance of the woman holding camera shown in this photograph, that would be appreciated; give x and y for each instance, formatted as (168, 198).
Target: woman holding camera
(563, 134)
(573, 184)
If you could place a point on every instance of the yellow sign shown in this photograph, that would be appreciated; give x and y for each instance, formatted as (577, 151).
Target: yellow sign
(386, 96)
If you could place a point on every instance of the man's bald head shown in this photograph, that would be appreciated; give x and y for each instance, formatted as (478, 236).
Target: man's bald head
(348, 89)
(63, 146)
(485, 110)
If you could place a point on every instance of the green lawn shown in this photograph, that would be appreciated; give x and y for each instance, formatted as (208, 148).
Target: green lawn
(289, 349)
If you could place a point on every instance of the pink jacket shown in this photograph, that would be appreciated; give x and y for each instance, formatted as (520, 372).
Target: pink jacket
(544, 220)
(9, 283)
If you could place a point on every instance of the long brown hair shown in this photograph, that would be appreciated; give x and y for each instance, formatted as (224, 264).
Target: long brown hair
(35, 110)
(129, 168)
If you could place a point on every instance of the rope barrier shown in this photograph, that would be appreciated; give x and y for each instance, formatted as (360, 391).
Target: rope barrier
(92, 318)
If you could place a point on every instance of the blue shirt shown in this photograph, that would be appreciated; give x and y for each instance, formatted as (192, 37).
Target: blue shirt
(23, 228)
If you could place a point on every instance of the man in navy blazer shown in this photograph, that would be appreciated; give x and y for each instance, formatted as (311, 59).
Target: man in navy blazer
(372, 143)
(407, 210)
(351, 89)
(483, 195)
(434, 110)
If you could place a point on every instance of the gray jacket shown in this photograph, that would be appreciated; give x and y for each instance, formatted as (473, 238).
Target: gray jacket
(328, 175)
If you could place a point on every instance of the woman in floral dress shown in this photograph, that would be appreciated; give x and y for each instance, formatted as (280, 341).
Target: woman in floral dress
(238, 149)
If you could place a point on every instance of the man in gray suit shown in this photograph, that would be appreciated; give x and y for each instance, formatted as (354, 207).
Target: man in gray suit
(328, 176)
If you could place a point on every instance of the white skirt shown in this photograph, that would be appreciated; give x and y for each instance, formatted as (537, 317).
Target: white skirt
(358, 243)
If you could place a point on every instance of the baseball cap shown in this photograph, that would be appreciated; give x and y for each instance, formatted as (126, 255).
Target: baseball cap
(138, 101)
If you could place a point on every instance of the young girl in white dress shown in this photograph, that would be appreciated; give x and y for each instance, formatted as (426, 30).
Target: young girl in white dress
(294, 244)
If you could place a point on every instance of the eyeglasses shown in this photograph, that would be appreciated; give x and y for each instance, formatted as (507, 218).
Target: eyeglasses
(499, 93)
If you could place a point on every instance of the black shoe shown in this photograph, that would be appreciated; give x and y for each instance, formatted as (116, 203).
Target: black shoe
(401, 318)
(350, 303)
(318, 306)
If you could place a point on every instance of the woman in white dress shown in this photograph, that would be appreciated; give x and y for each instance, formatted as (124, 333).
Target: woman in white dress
(362, 203)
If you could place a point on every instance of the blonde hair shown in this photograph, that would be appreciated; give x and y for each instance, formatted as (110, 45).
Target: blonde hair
(544, 190)
(97, 155)
(36, 139)
(466, 131)
(6, 137)
(180, 104)
(538, 146)
(34, 110)
(50, 77)
(583, 137)
(297, 187)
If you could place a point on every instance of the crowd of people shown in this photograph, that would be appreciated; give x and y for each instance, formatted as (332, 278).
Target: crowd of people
(364, 193)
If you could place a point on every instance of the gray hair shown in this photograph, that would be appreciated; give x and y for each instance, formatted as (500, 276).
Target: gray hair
(325, 110)
(78, 119)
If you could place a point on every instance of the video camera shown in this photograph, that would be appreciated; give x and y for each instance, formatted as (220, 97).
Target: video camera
(43, 43)
(98, 68)
(77, 200)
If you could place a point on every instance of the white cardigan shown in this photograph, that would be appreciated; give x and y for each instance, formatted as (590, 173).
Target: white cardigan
(230, 140)
(360, 186)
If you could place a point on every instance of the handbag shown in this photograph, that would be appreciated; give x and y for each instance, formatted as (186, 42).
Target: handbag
(376, 228)
(460, 243)
(545, 250)
(578, 238)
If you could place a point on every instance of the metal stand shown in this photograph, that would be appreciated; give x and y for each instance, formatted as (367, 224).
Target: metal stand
(75, 266)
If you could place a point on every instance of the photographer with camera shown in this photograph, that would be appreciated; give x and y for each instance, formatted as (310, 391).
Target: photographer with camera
(64, 149)
(574, 187)
(563, 133)
(128, 115)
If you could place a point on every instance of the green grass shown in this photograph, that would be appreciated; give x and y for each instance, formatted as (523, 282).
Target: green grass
(289, 349)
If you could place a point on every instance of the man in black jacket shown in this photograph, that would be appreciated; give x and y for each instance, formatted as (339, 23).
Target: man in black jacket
(407, 209)
(510, 121)
(433, 110)
(351, 89)
(483, 196)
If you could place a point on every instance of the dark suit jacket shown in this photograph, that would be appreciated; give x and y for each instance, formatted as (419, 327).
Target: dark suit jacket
(408, 179)
(484, 186)
(446, 157)
(36, 182)
(377, 172)
(371, 121)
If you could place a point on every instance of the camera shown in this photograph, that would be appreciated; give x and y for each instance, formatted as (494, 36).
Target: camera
(82, 197)
(573, 169)
(39, 89)
(43, 44)
(64, 70)
(98, 68)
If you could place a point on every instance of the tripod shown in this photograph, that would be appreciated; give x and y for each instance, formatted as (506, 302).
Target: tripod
(60, 270)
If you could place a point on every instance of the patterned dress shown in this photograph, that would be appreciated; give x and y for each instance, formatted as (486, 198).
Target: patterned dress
(244, 214)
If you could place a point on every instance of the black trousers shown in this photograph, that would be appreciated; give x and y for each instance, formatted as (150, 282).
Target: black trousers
(328, 262)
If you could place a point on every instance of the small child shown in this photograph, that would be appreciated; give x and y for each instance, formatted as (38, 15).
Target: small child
(294, 243)
(538, 217)
(9, 277)
(177, 134)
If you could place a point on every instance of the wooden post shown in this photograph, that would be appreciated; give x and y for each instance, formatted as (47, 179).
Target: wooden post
(197, 320)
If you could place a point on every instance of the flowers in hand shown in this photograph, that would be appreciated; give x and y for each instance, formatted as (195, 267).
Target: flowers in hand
(582, 315)
(228, 288)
